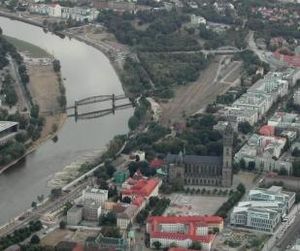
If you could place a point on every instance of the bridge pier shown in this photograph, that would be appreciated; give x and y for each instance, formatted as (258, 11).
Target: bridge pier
(113, 99)
(76, 110)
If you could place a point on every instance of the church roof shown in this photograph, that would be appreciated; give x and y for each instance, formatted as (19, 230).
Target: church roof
(194, 159)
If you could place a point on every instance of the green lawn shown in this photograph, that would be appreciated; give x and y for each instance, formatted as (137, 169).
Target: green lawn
(32, 50)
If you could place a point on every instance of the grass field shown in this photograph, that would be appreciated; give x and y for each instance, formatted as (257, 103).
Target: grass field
(30, 49)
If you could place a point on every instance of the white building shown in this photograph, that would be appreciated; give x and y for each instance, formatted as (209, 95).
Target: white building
(74, 215)
(264, 151)
(241, 114)
(75, 13)
(91, 210)
(290, 121)
(197, 20)
(258, 102)
(256, 219)
(98, 195)
(297, 97)
(55, 10)
(274, 194)
(263, 210)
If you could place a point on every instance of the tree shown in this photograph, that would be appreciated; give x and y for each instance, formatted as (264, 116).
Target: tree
(282, 171)
(34, 204)
(126, 199)
(40, 198)
(242, 164)
(62, 224)
(56, 65)
(157, 245)
(244, 127)
(35, 239)
(196, 245)
(133, 123)
(251, 165)
(67, 207)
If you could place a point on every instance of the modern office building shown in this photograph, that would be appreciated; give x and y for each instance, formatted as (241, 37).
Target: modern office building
(257, 219)
(264, 209)
(275, 194)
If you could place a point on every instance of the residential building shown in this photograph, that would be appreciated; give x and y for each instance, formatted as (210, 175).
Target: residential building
(203, 170)
(258, 102)
(283, 120)
(91, 210)
(297, 97)
(272, 84)
(98, 195)
(74, 215)
(8, 130)
(197, 20)
(125, 214)
(274, 193)
(183, 230)
(264, 152)
(75, 13)
(238, 114)
(257, 219)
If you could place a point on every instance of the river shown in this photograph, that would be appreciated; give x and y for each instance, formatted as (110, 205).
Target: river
(87, 72)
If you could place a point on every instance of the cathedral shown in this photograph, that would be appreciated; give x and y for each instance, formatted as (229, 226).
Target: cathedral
(203, 170)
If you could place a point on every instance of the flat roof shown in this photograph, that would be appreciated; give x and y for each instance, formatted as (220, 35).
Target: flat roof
(4, 125)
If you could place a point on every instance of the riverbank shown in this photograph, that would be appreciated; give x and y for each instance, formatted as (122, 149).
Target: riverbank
(44, 91)
(112, 52)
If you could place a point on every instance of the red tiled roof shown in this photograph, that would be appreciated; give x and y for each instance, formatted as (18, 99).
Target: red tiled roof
(267, 130)
(156, 163)
(138, 201)
(141, 187)
(211, 219)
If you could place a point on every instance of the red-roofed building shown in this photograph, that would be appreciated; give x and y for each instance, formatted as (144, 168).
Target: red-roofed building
(157, 163)
(141, 188)
(183, 230)
(267, 130)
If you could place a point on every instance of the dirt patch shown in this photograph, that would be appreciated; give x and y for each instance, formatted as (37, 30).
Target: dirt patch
(58, 235)
(182, 204)
(44, 89)
(194, 97)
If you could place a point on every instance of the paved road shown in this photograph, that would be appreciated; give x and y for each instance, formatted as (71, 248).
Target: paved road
(285, 232)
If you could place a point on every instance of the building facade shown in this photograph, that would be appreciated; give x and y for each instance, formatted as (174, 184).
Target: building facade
(98, 195)
(183, 230)
(74, 215)
(203, 170)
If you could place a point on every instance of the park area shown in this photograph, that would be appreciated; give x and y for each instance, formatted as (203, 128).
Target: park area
(237, 240)
(183, 204)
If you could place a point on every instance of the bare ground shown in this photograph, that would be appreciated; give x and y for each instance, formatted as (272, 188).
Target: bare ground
(44, 89)
(194, 97)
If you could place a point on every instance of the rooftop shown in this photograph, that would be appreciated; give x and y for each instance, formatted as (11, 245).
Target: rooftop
(194, 159)
(4, 125)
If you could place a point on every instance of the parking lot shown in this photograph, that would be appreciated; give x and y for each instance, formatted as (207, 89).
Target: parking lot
(182, 204)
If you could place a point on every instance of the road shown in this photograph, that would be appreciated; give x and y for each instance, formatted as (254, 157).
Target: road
(285, 233)
(18, 86)
(48, 207)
